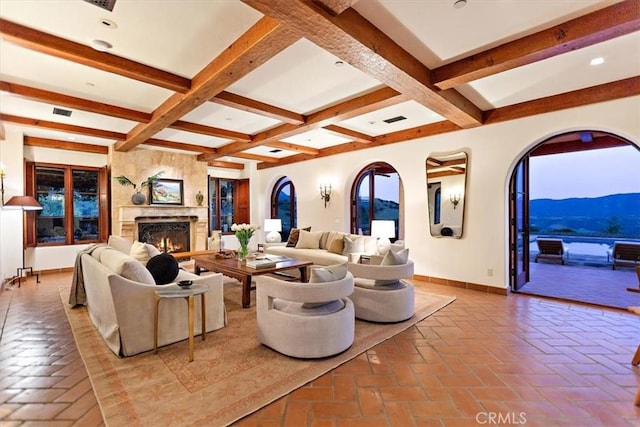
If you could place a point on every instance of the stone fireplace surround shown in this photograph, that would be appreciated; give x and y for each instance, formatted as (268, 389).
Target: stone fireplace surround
(196, 215)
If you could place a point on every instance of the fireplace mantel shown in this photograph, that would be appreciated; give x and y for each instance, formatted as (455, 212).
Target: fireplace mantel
(129, 213)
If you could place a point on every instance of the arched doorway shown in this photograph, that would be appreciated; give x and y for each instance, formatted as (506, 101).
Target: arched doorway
(376, 194)
(566, 189)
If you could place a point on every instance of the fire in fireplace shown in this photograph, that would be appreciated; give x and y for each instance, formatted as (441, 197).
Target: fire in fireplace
(166, 236)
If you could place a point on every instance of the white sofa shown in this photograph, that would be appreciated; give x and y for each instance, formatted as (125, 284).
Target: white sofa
(326, 254)
(120, 300)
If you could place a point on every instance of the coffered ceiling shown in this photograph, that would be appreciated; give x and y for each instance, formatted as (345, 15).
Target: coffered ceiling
(277, 82)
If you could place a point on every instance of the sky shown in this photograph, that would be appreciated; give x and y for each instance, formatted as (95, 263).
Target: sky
(592, 173)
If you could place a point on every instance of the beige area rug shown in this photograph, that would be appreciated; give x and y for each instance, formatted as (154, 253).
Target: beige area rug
(232, 375)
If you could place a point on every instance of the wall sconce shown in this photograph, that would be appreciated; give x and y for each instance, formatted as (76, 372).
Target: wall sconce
(2, 175)
(455, 199)
(325, 193)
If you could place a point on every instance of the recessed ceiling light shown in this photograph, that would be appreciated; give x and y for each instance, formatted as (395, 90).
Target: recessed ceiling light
(597, 61)
(71, 138)
(338, 63)
(459, 4)
(100, 45)
(89, 84)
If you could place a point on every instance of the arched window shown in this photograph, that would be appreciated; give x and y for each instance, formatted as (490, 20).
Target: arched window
(375, 194)
(283, 205)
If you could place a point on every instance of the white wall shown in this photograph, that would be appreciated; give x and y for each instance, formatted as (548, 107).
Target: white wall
(494, 150)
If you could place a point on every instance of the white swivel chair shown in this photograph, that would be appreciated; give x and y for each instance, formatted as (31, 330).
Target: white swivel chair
(380, 294)
(305, 320)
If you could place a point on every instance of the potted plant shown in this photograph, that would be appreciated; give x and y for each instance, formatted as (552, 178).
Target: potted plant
(138, 198)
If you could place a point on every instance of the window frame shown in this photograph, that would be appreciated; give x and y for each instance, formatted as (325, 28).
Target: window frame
(30, 232)
(278, 187)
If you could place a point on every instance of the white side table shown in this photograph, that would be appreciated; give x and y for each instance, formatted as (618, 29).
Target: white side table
(174, 291)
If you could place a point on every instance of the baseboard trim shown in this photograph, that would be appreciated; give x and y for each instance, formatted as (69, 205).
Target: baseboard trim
(56, 270)
(462, 285)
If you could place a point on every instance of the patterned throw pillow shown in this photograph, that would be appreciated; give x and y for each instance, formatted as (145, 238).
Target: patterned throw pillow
(294, 235)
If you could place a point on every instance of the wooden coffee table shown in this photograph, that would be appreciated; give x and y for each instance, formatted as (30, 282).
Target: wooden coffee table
(233, 268)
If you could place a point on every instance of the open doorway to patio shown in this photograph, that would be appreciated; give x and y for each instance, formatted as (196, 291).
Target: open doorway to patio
(580, 193)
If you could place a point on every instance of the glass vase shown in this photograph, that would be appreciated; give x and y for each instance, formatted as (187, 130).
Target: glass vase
(243, 251)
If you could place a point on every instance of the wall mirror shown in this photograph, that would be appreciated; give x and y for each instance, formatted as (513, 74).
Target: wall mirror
(446, 188)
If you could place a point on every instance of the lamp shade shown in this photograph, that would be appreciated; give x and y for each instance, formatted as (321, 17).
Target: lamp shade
(273, 227)
(383, 228)
(25, 203)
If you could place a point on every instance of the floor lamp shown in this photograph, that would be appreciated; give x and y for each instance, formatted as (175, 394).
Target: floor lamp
(24, 203)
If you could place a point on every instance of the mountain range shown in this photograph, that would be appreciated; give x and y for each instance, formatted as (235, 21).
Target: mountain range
(615, 215)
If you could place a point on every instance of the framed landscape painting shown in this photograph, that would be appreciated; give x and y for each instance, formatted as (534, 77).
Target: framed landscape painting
(167, 192)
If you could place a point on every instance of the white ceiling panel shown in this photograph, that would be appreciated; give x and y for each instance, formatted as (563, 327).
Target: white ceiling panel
(220, 116)
(373, 123)
(317, 138)
(563, 73)
(178, 36)
(303, 78)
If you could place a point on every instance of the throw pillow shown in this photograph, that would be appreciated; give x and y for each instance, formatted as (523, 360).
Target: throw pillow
(309, 240)
(396, 258)
(393, 258)
(330, 273)
(353, 245)
(294, 234)
(337, 245)
(164, 268)
(143, 252)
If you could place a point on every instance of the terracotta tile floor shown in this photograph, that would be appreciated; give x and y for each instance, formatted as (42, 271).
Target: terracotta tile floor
(483, 360)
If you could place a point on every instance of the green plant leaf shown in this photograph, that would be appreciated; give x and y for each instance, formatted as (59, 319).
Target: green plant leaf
(151, 180)
(124, 181)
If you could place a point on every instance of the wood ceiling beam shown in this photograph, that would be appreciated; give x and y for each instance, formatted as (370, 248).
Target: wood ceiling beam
(605, 24)
(81, 54)
(573, 146)
(258, 157)
(393, 138)
(351, 134)
(65, 145)
(336, 7)
(210, 130)
(257, 45)
(74, 102)
(363, 104)
(591, 95)
(238, 102)
(226, 165)
(293, 147)
(113, 111)
(355, 40)
(80, 130)
(179, 146)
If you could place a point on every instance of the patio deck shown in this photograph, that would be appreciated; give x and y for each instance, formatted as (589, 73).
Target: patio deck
(582, 282)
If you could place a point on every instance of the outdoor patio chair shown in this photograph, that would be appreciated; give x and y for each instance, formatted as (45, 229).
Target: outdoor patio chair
(625, 254)
(552, 249)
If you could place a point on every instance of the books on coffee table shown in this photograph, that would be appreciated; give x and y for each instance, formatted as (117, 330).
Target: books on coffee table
(266, 261)
(261, 263)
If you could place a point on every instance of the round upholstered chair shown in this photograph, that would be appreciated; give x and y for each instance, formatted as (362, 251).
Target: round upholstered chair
(380, 294)
(305, 320)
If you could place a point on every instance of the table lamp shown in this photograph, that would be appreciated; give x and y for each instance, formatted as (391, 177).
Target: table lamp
(383, 230)
(273, 227)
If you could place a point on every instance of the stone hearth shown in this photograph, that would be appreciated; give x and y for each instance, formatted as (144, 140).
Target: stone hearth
(128, 215)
